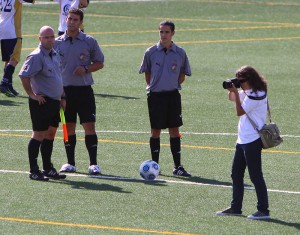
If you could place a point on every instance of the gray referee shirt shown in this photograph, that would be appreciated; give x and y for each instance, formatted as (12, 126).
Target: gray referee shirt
(165, 67)
(79, 51)
(44, 73)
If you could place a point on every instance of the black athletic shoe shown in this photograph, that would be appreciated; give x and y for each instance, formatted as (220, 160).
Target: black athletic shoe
(6, 91)
(37, 175)
(12, 90)
(180, 171)
(52, 173)
(229, 212)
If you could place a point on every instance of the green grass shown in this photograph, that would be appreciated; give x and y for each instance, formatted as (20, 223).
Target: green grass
(219, 37)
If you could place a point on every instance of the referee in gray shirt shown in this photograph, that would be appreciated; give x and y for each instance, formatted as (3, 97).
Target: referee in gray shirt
(80, 56)
(165, 66)
(41, 79)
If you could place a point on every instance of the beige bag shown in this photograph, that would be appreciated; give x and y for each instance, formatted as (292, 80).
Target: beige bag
(270, 135)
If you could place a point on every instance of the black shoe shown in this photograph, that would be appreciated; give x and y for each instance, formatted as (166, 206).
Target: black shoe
(52, 173)
(6, 91)
(180, 171)
(259, 215)
(12, 90)
(37, 175)
(229, 212)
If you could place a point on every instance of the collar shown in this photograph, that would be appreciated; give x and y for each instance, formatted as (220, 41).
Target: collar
(79, 36)
(160, 47)
(45, 51)
(260, 95)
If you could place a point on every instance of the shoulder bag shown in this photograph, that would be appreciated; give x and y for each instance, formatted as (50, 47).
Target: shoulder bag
(269, 133)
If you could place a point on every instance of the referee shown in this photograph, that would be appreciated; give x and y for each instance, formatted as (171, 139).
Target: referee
(41, 79)
(80, 57)
(165, 66)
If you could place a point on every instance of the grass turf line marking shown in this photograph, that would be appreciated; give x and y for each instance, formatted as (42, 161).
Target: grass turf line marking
(164, 145)
(201, 1)
(196, 42)
(91, 226)
(119, 178)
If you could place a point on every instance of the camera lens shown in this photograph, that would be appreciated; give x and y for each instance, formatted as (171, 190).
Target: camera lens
(227, 84)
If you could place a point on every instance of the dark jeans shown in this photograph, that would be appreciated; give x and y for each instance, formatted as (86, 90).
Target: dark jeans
(248, 155)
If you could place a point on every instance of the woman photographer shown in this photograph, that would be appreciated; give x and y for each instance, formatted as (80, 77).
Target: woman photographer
(251, 99)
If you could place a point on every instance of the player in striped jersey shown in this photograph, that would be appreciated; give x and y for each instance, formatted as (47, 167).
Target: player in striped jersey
(11, 41)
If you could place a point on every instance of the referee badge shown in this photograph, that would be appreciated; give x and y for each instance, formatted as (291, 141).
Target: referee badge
(174, 67)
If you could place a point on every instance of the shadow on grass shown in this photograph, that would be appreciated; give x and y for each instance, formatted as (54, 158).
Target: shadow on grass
(10, 103)
(104, 187)
(90, 185)
(200, 180)
(134, 180)
(284, 223)
(116, 96)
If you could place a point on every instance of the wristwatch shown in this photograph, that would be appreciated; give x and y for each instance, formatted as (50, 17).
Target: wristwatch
(86, 68)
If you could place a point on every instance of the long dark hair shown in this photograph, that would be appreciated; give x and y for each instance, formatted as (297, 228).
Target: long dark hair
(254, 78)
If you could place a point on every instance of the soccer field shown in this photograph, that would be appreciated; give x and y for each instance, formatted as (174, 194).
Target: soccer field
(219, 37)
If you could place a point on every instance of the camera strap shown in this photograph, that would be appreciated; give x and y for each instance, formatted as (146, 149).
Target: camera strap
(259, 98)
(254, 97)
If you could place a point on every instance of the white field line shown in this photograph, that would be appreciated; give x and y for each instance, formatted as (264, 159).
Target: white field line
(118, 178)
(147, 132)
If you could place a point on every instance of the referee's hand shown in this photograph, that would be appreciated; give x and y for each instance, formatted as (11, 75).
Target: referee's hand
(79, 71)
(39, 98)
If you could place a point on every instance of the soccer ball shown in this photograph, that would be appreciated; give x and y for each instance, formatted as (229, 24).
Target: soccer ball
(149, 170)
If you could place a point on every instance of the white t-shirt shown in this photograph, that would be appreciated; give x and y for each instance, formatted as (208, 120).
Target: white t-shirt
(10, 19)
(65, 6)
(257, 110)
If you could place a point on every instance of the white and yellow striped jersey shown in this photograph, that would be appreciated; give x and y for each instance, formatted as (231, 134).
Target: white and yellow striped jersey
(10, 19)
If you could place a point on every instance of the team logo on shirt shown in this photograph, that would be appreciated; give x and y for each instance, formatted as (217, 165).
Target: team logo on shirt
(26, 67)
(174, 67)
(66, 9)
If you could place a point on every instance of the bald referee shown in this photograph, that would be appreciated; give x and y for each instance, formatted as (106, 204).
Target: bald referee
(41, 79)
(165, 66)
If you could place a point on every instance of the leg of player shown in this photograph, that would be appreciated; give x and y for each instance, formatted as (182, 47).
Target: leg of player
(155, 144)
(33, 153)
(91, 143)
(175, 145)
(46, 152)
(11, 56)
(70, 149)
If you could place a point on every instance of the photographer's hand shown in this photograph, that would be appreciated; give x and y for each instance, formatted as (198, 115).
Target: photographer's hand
(239, 109)
(232, 93)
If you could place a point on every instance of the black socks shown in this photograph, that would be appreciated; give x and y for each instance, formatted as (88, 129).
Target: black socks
(46, 152)
(176, 150)
(70, 149)
(155, 148)
(33, 153)
(91, 143)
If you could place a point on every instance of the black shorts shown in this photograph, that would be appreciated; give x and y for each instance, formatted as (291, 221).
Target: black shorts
(45, 115)
(80, 100)
(7, 48)
(165, 109)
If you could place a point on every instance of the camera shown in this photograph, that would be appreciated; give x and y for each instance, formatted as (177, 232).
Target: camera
(228, 83)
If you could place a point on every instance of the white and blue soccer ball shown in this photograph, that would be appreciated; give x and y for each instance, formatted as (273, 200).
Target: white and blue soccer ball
(149, 170)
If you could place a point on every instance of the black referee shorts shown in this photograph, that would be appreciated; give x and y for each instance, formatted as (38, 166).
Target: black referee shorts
(165, 109)
(80, 100)
(45, 115)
